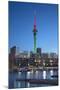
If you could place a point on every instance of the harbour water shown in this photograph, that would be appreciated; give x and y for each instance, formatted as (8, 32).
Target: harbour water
(36, 75)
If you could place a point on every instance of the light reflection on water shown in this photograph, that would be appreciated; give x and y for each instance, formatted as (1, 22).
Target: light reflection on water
(28, 84)
(28, 75)
(44, 74)
(36, 75)
(32, 75)
(19, 85)
(19, 74)
(51, 72)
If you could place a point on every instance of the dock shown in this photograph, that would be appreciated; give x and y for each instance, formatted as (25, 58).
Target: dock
(40, 81)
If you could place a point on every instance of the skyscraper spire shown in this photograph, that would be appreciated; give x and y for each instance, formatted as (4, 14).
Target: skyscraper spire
(35, 20)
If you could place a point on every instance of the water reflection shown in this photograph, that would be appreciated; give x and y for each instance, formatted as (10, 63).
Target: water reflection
(19, 84)
(19, 74)
(44, 74)
(15, 84)
(28, 75)
(51, 72)
(36, 75)
(32, 75)
(28, 84)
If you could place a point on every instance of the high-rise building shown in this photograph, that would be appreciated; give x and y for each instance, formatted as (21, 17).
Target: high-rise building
(13, 50)
(13, 55)
(39, 51)
(12, 59)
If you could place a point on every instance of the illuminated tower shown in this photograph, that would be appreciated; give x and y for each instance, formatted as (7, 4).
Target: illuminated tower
(34, 33)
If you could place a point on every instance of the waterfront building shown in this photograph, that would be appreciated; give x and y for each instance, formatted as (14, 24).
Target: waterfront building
(12, 57)
(53, 59)
(53, 55)
(13, 50)
(45, 59)
(44, 55)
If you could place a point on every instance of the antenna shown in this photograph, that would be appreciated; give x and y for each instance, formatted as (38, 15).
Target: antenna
(35, 18)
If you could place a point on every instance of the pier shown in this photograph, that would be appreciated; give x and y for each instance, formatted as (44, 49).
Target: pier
(41, 81)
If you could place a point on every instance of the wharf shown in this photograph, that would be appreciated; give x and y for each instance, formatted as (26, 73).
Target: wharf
(40, 81)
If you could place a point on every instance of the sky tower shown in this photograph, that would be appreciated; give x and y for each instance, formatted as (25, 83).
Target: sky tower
(34, 33)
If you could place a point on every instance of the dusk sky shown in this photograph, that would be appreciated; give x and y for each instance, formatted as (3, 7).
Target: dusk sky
(21, 23)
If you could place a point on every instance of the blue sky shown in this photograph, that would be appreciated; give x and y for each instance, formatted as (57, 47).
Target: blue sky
(21, 22)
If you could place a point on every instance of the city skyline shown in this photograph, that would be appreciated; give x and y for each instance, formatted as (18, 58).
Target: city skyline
(21, 24)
